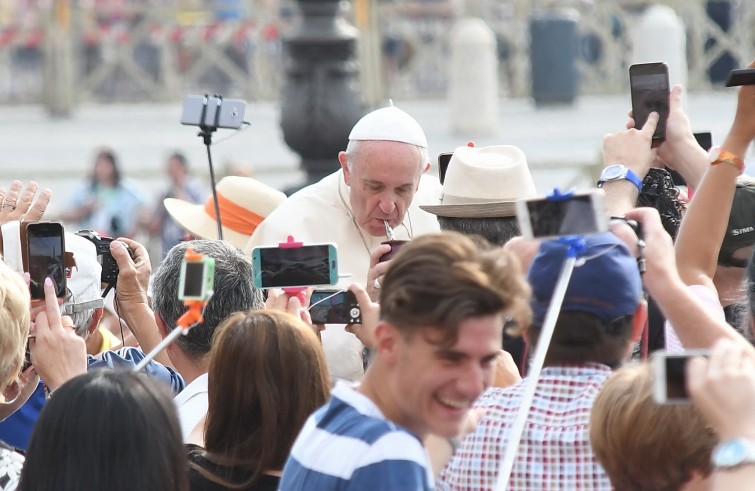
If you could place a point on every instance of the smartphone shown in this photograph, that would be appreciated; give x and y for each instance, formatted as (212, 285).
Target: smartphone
(578, 214)
(308, 265)
(45, 250)
(334, 307)
(744, 76)
(670, 375)
(229, 112)
(443, 161)
(196, 279)
(649, 87)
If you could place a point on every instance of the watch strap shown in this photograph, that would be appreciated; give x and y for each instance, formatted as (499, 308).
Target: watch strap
(627, 174)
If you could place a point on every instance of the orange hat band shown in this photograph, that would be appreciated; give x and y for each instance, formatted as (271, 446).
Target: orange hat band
(233, 216)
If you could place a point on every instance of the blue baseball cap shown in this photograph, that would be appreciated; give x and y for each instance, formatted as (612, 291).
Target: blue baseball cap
(608, 284)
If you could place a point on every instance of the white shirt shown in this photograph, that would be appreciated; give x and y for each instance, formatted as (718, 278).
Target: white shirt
(191, 404)
(320, 213)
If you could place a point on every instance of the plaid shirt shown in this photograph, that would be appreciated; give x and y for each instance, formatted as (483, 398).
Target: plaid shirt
(554, 453)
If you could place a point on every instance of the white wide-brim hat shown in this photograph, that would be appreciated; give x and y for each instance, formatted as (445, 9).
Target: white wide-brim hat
(244, 202)
(484, 182)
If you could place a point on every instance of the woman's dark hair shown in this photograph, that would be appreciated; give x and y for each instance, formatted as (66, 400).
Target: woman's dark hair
(109, 430)
(267, 375)
(108, 155)
(659, 192)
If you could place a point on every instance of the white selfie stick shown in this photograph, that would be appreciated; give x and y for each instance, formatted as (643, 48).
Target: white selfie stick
(546, 333)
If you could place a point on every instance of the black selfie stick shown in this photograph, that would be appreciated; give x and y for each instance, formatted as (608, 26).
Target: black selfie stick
(206, 134)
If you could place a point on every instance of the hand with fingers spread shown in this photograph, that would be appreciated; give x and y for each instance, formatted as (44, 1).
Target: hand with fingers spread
(26, 206)
(370, 313)
(57, 353)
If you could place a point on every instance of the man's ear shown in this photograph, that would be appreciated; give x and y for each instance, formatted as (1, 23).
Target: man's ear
(343, 158)
(426, 167)
(161, 328)
(386, 341)
(96, 318)
(639, 320)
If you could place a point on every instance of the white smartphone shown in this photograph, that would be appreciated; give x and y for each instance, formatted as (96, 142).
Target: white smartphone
(230, 112)
(578, 214)
(670, 376)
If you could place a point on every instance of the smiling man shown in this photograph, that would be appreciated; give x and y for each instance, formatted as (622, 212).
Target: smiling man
(381, 179)
(442, 309)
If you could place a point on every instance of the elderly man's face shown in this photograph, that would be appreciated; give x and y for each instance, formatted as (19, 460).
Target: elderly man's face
(383, 178)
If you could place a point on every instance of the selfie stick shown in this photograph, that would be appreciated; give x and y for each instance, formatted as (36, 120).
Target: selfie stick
(294, 291)
(206, 135)
(193, 316)
(575, 245)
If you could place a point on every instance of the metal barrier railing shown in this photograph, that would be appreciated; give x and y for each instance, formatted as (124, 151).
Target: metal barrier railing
(161, 53)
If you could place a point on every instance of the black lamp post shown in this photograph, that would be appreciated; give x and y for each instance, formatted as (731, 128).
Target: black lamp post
(321, 100)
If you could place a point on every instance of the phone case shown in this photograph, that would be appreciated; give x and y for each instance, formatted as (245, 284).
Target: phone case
(68, 259)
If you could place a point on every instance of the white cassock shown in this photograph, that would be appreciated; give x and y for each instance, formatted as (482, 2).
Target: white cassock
(321, 213)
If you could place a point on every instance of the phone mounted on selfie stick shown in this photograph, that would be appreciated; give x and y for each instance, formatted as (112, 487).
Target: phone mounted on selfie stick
(575, 246)
(195, 303)
(293, 291)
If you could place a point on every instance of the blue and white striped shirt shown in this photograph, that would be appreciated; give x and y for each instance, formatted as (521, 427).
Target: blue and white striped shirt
(349, 445)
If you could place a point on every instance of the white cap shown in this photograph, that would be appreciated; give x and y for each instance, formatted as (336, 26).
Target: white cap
(389, 123)
(84, 282)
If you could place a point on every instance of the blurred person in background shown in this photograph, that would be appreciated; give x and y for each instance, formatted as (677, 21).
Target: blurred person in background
(160, 224)
(108, 203)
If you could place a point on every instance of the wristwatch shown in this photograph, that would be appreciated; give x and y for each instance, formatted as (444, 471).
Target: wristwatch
(617, 172)
(733, 453)
(718, 155)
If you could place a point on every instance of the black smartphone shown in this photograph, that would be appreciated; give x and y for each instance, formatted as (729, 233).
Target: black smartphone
(45, 252)
(578, 214)
(670, 376)
(334, 307)
(443, 161)
(308, 265)
(744, 76)
(650, 91)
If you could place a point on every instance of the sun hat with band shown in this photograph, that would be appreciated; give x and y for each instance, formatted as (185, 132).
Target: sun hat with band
(484, 182)
(244, 202)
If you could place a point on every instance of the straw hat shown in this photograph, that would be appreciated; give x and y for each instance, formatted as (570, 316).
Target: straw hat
(244, 202)
(484, 182)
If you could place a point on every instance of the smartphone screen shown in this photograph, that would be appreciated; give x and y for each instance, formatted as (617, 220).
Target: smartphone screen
(577, 215)
(276, 267)
(443, 161)
(45, 254)
(650, 91)
(193, 279)
(334, 307)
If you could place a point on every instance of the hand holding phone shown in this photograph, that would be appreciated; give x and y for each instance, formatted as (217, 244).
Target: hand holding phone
(723, 388)
(649, 85)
